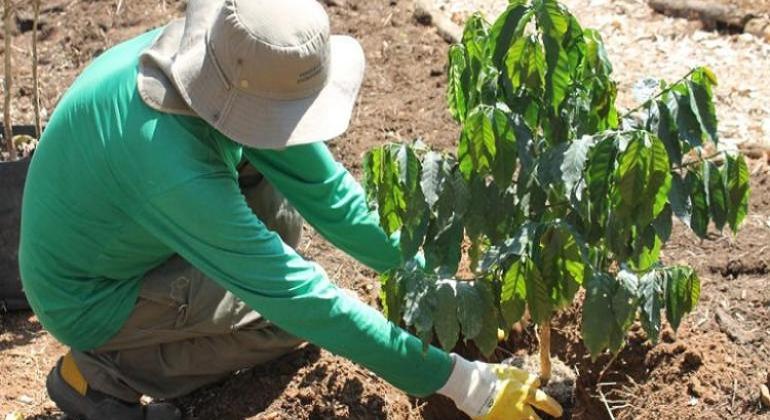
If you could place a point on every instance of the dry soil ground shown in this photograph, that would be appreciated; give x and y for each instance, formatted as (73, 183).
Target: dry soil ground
(712, 370)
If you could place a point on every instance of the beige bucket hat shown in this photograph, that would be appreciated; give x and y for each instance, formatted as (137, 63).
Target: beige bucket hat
(265, 73)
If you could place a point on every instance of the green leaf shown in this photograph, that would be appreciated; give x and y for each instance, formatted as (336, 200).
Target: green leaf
(679, 197)
(624, 305)
(468, 310)
(643, 184)
(474, 37)
(651, 302)
(445, 317)
(486, 340)
(702, 102)
(598, 319)
(434, 177)
(716, 194)
(419, 304)
(392, 295)
(538, 296)
(477, 149)
(679, 103)
(513, 295)
(682, 293)
(599, 175)
(505, 147)
(442, 248)
(552, 17)
(700, 210)
(508, 26)
(572, 166)
(555, 23)
(643, 179)
(515, 246)
(525, 65)
(385, 191)
(600, 90)
(561, 265)
(662, 224)
(738, 191)
(608, 311)
(666, 129)
(458, 84)
(647, 246)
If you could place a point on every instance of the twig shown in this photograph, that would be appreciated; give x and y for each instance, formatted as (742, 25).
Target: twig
(8, 83)
(35, 75)
(697, 161)
(606, 404)
(607, 367)
(661, 93)
(544, 335)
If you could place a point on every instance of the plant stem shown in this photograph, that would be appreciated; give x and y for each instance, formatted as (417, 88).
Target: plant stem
(697, 161)
(8, 128)
(661, 93)
(544, 335)
(35, 75)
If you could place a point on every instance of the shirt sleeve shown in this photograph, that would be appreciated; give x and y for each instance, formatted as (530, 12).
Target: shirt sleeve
(208, 222)
(330, 199)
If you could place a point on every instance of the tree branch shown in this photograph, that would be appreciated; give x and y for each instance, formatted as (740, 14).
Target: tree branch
(660, 94)
(8, 82)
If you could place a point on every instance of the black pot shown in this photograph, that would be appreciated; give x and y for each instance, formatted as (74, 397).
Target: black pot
(12, 177)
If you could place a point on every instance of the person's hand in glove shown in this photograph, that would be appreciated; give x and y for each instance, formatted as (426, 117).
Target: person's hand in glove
(496, 392)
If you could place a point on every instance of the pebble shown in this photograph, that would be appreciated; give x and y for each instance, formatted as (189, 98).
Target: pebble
(14, 415)
(764, 395)
(25, 399)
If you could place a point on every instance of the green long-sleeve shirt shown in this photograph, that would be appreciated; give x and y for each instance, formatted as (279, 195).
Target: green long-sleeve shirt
(115, 188)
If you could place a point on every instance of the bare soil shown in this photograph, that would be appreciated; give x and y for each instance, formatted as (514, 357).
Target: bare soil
(711, 369)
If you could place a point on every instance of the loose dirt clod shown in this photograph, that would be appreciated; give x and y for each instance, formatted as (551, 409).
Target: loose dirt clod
(732, 328)
(561, 386)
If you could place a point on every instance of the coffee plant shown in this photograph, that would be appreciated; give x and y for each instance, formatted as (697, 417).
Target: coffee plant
(551, 190)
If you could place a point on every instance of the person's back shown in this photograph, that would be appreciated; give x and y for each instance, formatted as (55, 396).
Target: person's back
(103, 156)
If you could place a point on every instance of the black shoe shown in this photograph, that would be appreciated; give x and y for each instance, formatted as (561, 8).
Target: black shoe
(95, 405)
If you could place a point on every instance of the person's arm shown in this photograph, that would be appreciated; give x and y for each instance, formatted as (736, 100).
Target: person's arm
(330, 199)
(207, 221)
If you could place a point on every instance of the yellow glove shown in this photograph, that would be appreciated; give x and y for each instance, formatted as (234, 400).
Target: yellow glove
(496, 392)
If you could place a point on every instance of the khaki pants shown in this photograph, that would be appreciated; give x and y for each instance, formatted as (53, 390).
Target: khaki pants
(186, 331)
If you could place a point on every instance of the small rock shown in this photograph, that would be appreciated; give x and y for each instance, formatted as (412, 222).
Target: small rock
(764, 395)
(695, 387)
(436, 72)
(759, 27)
(561, 386)
(25, 399)
(422, 14)
(14, 415)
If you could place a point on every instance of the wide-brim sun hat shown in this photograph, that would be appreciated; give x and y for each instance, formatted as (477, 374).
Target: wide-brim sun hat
(265, 73)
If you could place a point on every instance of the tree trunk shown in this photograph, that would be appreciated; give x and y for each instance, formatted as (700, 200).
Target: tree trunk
(544, 335)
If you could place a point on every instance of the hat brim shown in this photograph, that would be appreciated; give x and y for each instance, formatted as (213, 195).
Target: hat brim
(268, 123)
